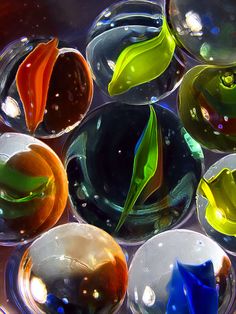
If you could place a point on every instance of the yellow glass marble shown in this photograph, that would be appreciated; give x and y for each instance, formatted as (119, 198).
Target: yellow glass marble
(220, 191)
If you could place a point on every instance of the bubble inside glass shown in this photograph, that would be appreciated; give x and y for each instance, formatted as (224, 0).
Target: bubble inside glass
(206, 105)
(132, 170)
(73, 268)
(179, 270)
(132, 54)
(216, 202)
(33, 187)
(205, 29)
(45, 87)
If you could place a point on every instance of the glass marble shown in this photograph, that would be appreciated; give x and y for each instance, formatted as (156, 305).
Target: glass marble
(132, 54)
(216, 202)
(45, 87)
(73, 268)
(132, 170)
(206, 105)
(205, 29)
(33, 188)
(181, 271)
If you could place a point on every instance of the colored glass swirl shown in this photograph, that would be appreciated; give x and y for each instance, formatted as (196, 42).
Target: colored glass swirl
(145, 167)
(142, 62)
(189, 285)
(32, 80)
(220, 194)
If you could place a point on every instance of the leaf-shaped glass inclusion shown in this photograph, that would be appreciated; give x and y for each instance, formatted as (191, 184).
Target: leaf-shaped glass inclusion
(142, 62)
(16, 187)
(32, 80)
(192, 289)
(144, 167)
(221, 196)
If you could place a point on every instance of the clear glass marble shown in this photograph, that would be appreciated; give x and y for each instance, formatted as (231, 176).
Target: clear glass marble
(151, 273)
(131, 53)
(73, 268)
(205, 29)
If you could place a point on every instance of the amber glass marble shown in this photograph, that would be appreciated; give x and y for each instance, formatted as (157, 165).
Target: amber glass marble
(73, 268)
(33, 188)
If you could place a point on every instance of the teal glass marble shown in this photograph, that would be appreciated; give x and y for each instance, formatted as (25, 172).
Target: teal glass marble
(206, 104)
(133, 170)
(206, 30)
(132, 54)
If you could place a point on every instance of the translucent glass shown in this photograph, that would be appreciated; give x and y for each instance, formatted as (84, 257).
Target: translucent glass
(206, 105)
(45, 87)
(216, 202)
(33, 186)
(131, 53)
(101, 157)
(205, 29)
(73, 268)
(153, 266)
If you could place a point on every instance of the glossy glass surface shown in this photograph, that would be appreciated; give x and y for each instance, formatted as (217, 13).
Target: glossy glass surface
(152, 269)
(44, 91)
(33, 187)
(132, 54)
(206, 104)
(113, 168)
(216, 202)
(73, 268)
(205, 29)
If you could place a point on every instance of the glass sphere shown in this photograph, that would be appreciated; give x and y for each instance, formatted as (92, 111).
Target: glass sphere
(180, 271)
(207, 106)
(216, 204)
(205, 29)
(45, 87)
(33, 187)
(132, 170)
(131, 53)
(73, 268)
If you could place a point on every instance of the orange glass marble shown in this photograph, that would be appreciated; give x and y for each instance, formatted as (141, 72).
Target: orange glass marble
(33, 188)
(46, 87)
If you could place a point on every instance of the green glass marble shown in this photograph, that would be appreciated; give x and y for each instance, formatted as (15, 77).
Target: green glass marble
(207, 106)
(142, 62)
(219, 191)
